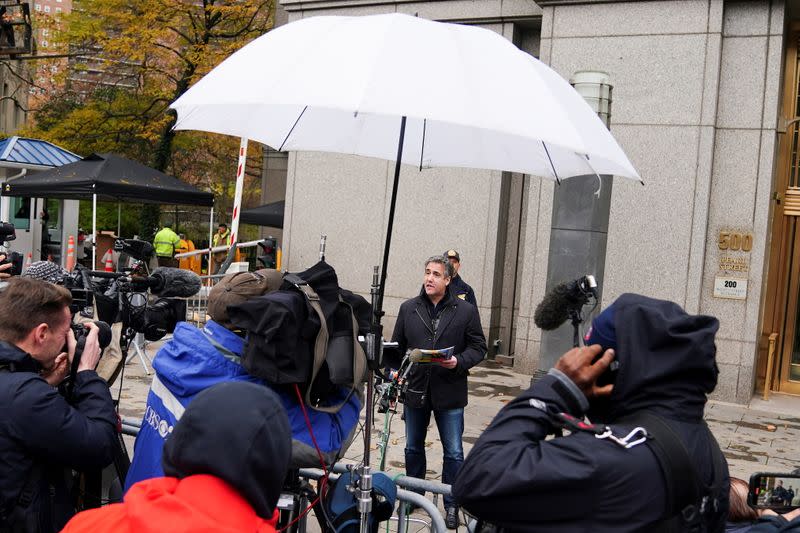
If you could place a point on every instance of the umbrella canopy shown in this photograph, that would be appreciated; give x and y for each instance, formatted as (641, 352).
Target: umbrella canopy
(110, 177)
(265, 215)
(341, 84)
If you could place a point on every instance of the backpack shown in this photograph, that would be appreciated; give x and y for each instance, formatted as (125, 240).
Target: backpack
(341, 505)
(306, 334)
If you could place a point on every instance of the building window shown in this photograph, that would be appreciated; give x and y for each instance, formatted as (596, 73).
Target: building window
(47, 9)
(45, 32)
(38, 7)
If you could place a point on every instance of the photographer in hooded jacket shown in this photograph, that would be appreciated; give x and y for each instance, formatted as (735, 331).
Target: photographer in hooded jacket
(42, 436)
(646, 462)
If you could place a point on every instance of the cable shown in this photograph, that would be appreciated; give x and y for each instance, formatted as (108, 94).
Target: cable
(323, 482)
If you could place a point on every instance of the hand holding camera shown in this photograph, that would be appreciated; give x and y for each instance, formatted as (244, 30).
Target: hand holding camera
(584, 366)
(89, 356)
(5, 267)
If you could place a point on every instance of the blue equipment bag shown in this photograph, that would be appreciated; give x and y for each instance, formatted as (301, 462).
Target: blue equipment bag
(342, 508)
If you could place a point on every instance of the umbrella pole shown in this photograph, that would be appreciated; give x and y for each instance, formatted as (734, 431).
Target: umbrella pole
(94, 231)
(119, 219)
(392, 205)
(375, 347)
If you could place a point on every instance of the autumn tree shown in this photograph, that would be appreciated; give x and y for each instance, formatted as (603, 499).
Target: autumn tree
(129, 60)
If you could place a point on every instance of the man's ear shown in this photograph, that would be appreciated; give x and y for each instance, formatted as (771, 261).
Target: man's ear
(447, 281)
(39, 333)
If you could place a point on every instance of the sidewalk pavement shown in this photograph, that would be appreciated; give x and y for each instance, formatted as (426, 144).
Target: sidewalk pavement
(764, 436)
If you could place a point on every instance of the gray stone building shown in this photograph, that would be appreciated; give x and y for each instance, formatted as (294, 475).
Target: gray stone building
(705, 95)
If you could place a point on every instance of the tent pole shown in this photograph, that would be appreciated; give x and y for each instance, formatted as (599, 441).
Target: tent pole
(119, 219)
(94, 231)
(210, 243)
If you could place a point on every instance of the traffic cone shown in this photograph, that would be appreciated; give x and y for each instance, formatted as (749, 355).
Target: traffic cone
(70, 253)
(109, 261)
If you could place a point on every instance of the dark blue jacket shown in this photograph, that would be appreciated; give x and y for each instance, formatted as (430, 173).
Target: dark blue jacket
(461, 289)
(515, 478)
(39, 427)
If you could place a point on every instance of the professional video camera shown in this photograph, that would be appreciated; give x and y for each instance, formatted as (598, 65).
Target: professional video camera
(8, 233)
(154, 318)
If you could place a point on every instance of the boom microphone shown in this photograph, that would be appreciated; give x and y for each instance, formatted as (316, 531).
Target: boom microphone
(566, 297)
(174, 282)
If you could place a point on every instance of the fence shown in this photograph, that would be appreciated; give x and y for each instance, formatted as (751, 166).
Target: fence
(405, 493)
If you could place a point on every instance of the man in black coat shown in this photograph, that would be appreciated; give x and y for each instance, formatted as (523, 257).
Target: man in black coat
(41, 435)
(434, 320)
(516, 479)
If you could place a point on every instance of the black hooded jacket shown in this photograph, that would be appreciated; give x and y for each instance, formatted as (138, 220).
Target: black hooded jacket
(514, 478)
(41, 435)
(238, 432)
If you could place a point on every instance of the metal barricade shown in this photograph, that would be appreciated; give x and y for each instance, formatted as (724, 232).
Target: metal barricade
(405, 492)
(197, 305)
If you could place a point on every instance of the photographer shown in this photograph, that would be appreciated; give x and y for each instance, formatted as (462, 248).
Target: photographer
(111, 363)
(42, 436)
(609, 478)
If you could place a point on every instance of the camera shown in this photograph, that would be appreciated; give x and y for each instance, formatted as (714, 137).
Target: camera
(153, 319)
(8, 233)
(81, 332)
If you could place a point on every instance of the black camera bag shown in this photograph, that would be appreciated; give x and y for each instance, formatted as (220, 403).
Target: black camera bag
(306, 334)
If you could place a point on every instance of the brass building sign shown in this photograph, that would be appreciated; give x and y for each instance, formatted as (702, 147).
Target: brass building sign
(734, 264)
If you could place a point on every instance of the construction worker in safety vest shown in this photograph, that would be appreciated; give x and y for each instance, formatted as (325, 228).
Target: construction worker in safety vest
(220, 239)
(166, 242)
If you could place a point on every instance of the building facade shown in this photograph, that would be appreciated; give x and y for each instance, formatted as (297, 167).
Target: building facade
(704, 103)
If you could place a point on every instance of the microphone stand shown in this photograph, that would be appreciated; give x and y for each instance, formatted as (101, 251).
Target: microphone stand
(363, 492)
(577, 319)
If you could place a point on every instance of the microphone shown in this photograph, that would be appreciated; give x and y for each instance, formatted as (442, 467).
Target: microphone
(566, 297)
(415, 356)
(174, 282)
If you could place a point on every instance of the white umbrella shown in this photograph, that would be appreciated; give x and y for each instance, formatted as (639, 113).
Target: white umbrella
(404, 89)
(341, 84)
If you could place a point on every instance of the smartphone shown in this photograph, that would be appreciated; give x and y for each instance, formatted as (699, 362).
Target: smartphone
(779, 492)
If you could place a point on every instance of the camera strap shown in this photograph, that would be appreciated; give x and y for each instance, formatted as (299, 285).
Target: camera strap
(689, 500)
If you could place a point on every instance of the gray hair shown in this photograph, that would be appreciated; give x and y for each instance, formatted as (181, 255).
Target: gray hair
(442, 260)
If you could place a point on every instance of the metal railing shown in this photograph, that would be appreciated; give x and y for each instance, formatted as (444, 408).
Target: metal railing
(405, 492)
(197, 305)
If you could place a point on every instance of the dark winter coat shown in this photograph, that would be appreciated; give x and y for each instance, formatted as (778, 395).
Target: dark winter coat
(41, 435)
(459, 326)
(461, 289)
(516, 479)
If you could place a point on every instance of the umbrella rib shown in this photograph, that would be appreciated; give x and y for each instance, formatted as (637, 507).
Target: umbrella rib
(293, 126)
(546, 151)
(422, 150)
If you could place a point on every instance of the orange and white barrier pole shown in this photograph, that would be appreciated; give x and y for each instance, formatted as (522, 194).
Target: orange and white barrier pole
(70, 264)
(237, 197)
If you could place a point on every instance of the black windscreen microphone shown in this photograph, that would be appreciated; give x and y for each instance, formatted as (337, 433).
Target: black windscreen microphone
(555, 307)
(174, 282)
